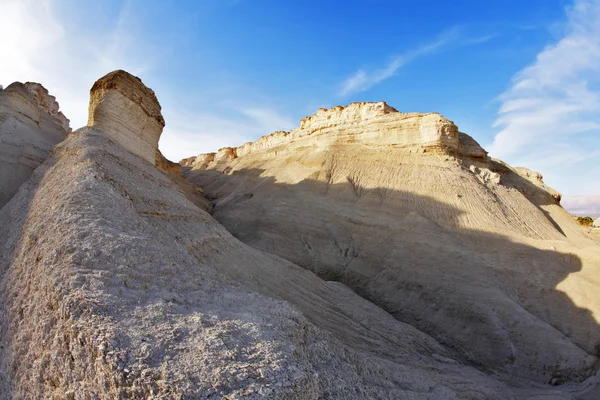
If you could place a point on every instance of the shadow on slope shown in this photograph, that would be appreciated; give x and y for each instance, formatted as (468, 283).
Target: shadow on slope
(113, 284)
(536, 195)
(141, 284)
(492, 299)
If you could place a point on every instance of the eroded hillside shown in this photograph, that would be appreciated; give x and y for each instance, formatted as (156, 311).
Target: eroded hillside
(367, 269)
(30, 125)
(414, 216)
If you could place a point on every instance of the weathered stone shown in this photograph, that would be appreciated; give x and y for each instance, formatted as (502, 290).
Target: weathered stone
(537, 179)
(368, 124)
(414, 216)
(123, 108)
(114, 285)
(30, 125)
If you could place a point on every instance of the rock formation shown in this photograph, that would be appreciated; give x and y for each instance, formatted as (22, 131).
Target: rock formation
(412, 215)
(113, 284)
(537, 179)
(123, 108)
(30, 125)
(366, 124)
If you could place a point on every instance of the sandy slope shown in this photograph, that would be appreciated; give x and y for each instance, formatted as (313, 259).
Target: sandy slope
(114, 284)
(463, 248)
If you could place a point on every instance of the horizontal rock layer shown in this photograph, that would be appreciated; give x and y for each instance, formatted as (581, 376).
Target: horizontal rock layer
(123, 108)
(412, 215)
(367, 124)
(30, 125)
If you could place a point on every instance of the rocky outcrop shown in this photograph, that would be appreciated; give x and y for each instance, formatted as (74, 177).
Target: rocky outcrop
(47, 103)
(468, 147)
(123, 108)
(114, 285)
(538, 180)
(486, 175)
(414, 216)
(187, 162)
(30, 126)
(165, 165)
(365, 124)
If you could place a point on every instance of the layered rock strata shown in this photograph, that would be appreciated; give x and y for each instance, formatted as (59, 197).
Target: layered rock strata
(30, 126)
(365, 124)
(123, 108)
(114, 285)
(414, 216)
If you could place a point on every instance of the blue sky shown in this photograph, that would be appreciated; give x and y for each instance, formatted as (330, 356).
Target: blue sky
(522, 77)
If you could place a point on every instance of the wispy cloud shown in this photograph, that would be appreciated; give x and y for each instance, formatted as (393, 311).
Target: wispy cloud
(362, 79)
(479, 39)
(269, 120)
(549, 118)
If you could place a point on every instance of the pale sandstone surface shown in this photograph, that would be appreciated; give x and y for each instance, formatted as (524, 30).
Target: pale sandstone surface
(113, 284)
(30, 126)
(537, 179)
(413, 216)
(123, 108)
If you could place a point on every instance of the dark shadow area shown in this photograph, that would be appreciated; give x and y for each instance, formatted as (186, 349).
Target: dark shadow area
(491, 300)
(13, 216)
(474, 291)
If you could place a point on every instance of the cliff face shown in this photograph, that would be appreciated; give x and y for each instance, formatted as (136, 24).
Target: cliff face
(114, 283)
(30, 125)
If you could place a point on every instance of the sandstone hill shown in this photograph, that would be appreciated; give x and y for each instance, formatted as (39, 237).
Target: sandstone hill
(414, 216)
(368, 270)
(30, 125)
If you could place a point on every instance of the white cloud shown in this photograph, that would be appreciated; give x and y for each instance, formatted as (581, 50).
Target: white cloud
(549, 118)
(583, 205)
(268, 119)
(37, 46)
(363, 80)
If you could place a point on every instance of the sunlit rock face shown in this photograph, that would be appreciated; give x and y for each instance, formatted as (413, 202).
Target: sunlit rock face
(127, 111)
(113, 284)
(366, 123)
(414, 216)
(30, 125)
